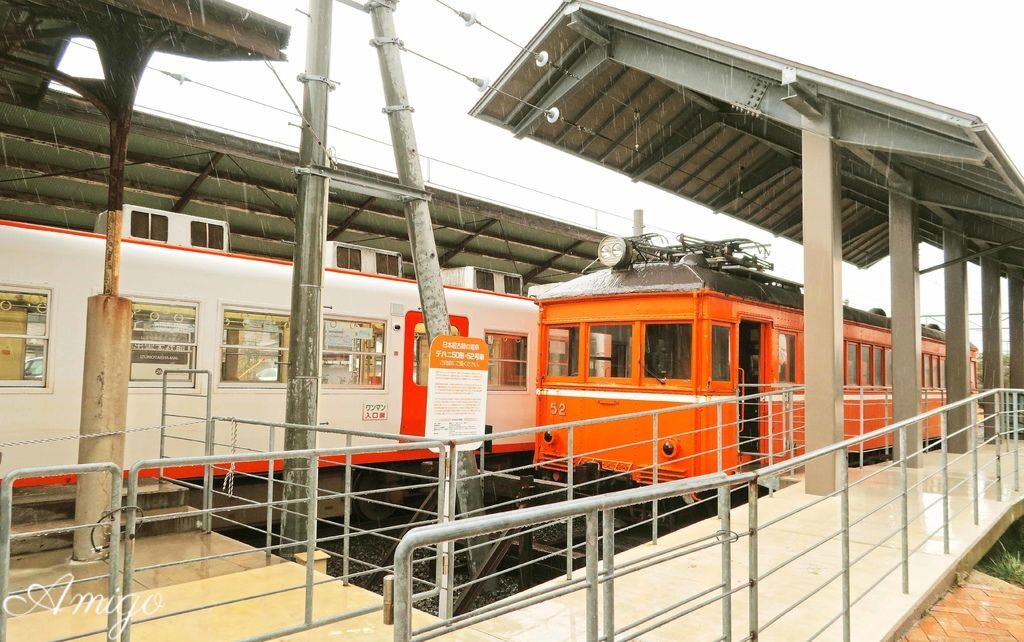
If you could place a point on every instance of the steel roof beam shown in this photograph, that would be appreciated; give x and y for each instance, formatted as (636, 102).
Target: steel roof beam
(584, 66)
(546, 265)
(356, 213)
(758, 94)
(772, 168)
(461, 245)
(583, 113)
(589, 29)
(193, 187)
(675, 137)
(639, 119)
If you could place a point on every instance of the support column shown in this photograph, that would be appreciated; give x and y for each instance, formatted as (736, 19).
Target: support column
(638, 222)
(906, 317)
(957, 344)
(823, 307)
(1015, 291)
(991, 335)
(304, 356)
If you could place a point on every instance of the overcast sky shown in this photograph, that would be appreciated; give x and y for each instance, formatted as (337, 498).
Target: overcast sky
(961, 56)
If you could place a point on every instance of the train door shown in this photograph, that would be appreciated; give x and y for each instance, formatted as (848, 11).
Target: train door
(414, 375)
(753, 336)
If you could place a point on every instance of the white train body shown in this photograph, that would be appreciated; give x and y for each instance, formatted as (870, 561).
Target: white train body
(50, 273)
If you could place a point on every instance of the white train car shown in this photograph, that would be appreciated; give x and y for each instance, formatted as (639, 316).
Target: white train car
(196, 307)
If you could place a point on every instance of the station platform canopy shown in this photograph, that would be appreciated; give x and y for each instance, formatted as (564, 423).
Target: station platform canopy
(54, 173)
(720, 125)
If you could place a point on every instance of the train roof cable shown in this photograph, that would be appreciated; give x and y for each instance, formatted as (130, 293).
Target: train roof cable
(182, 79)
(553, 115)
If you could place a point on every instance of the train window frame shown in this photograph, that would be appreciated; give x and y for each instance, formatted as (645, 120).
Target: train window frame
(888, 367)
(852, 350)
(491, 360)
(419, 347)
(926, 371)
(877, 366)
(864, 365)
(712, 378)
(191, 380)
(382, 355)
(645, 376)
(137, 215)
(631, 358)
(578, 376)
(44, 381)
(282, 352)
(788, 339)
(942, 372)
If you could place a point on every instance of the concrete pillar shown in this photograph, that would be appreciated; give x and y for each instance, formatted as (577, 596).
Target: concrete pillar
(823, 307)
(957, 344)
(1015, 290)
(906, 317)
(104, 409)
(638, 222)
(991, 334)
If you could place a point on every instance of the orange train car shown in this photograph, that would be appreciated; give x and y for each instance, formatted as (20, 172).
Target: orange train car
(668, 333)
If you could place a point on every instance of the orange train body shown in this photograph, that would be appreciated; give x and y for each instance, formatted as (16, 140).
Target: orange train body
(617, 343)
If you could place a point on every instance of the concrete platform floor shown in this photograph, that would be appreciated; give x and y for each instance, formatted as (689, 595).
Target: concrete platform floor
(881, 612)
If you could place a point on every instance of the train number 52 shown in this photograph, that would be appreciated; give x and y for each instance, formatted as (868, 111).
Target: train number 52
(558, 409)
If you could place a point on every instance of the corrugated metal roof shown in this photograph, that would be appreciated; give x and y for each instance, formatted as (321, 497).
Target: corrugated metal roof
(54, 172)
(720, 125)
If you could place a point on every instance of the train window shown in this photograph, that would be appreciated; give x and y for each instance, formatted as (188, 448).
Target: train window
(389, 264)
(927, 375)
(888, 366)
(668, 351)
(564, 352)
(851, 364)
(421, 368)
(876, 366)
(513, 284)
(787, 357)
(721, 353)
(865, 365)
(254, 348)
(353, 354)
(24, 334)
(942, 372)
(611, 350)
(163, 338)
(350, 258)
(484, 280)
(507, 361)
(145, 225)
(208, 235)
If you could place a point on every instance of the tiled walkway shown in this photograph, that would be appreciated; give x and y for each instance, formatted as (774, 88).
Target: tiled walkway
(982, 608)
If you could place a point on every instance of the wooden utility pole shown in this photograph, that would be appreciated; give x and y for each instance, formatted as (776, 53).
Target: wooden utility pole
(304, 357)
(418, 223)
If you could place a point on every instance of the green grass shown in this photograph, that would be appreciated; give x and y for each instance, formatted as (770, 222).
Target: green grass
(1005, 560)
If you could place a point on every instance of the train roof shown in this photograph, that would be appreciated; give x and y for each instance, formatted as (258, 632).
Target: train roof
(650, 278)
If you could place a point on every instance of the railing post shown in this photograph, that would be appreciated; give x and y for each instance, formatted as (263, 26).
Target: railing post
(861, 455)
(128, 564)
(998, 423)
(608, 528)
(592, 584)
(163, 417)
(1016, 441)
(312, 490)
(725, 528)
(446, 598)
(442, 499)
(771, 435)
(974, 460)
(719, 430)
(904, 509)
(346, 538)
(569, 478)
(787, 426)
(270, 499)
(403, 595)
(208, 449)
(655, 438)
(844, 517)
(944, 428)
(752, 605)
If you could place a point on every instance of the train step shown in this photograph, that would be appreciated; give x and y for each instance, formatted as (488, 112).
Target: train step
(34, 504)
(22, 541)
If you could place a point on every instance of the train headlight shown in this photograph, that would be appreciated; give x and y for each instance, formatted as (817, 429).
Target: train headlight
(548, 437)
(613, 252)
(669, 448)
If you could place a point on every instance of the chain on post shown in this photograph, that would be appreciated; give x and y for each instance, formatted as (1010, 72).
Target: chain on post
(229, 478)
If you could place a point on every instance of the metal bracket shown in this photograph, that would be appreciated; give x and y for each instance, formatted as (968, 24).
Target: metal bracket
(379, 42)
(390, 109)
(304, 77)
(364, 186)
(387, 4)
(752, 104)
